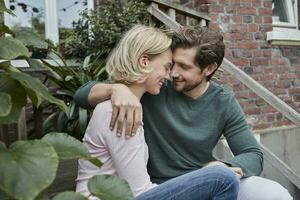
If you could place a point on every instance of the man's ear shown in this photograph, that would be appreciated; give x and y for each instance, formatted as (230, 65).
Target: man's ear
(210, 69)
(144, 60)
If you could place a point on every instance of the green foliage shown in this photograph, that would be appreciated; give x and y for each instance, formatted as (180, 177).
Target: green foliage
(23, 161)
(68, 147)
(101, 30)
(5, 100)
(28, 167)
(102, 186)
(69, 79)
(69, 196)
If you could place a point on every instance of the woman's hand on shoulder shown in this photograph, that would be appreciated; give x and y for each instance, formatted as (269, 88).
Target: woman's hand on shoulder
(125, 106)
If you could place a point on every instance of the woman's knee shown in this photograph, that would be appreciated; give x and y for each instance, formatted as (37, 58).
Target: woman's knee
(259, 188)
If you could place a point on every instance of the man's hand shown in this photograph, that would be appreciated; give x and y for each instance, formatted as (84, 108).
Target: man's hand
(125, 106)
(237, 170)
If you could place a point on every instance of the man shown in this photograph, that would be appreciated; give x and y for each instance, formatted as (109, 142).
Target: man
(185, 121)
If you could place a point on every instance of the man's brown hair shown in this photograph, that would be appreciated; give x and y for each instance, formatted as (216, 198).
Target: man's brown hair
(208, 44)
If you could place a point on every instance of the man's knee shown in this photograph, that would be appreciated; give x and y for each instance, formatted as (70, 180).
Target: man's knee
(223, 174)
(262, 189)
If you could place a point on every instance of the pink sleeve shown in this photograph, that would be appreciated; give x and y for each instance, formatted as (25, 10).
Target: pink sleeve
(129, 157)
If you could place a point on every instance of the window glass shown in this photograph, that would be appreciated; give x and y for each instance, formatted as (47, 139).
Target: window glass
(69, 11)
(279, 11)
(29, 13)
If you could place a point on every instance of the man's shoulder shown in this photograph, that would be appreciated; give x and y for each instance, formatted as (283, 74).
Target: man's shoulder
(222, 92)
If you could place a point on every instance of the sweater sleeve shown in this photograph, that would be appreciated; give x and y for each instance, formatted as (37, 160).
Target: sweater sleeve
(247, 153)
(81, 95)
(129, 156)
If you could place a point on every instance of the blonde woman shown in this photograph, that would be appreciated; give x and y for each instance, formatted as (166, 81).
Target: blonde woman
(142, 61)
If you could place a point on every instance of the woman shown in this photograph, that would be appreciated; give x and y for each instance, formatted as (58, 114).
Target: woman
(142, 60)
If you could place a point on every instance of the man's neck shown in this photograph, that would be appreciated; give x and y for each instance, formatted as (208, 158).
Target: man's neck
(198, 91)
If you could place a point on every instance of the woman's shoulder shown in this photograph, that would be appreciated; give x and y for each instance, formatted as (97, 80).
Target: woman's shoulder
(103, 108)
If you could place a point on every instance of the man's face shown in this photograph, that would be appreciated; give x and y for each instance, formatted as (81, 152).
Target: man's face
(187, 77)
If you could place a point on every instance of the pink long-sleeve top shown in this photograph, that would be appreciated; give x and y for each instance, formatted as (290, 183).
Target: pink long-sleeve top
(126, 158)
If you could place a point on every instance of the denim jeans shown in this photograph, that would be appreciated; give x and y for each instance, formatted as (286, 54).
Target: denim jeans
(208, 183)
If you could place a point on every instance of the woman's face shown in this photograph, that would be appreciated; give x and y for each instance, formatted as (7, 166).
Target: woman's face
(161, 66)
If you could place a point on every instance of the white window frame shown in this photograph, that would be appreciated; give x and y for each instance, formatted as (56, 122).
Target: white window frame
(51, 18)
(286, 33)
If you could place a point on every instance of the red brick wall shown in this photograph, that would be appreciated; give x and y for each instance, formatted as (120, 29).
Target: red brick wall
(244, 24)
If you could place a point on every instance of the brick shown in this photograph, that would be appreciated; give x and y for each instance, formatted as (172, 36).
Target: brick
(265, 12)
(261, 126)
(267, 20)
(278, 61)
(293, 91)
(267, 4)
(281, 123)
(216, 9)
(296, 97)
(230, 10)
(236, 36)
(247, 45)
(241, 62)
(246, 11)
(256, 3)
(267, 53)
(238, 28)
(259, 61)
(260, 36)
(214, 26)
(258, 53)
(247, 19)
(237, 19)
(252, 28)
(235, 2)
(268, 70)
(253, 111)
(270, 117)
(258, 19)
(225, 19)
(265, 28)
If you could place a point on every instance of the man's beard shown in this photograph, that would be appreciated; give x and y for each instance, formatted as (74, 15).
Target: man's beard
(188, 87)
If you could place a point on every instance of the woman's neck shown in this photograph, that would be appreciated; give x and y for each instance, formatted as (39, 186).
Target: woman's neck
(137, 89)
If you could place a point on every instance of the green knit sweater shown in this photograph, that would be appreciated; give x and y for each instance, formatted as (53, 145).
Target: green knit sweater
(181, 132)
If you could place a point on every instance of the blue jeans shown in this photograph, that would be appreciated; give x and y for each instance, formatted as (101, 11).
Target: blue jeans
(208, 183)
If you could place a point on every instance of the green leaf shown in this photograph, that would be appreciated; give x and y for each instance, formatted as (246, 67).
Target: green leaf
(108, 187)
(71, 109)
(4, 9)
(30, 38)
(11, 48)
(86, 62)
(82, 119)
(69, 195)
(6, 29)
(5, 104)
(27, 168)
(18, 97)
(5, 65)
(68, 147)
(35, 64)
(37, 91)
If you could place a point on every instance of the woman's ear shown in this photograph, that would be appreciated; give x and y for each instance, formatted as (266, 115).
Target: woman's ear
(144, 60)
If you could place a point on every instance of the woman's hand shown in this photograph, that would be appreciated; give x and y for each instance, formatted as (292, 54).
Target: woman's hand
(125, 106)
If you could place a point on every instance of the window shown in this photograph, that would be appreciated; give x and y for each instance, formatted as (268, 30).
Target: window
(50, 18)
(285, 23)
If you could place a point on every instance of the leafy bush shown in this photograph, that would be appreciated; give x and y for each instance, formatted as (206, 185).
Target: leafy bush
(101, 30)
(28, 167)
(69, 79)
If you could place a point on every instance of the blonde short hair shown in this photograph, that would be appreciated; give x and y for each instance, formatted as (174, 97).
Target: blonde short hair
(123, 62)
